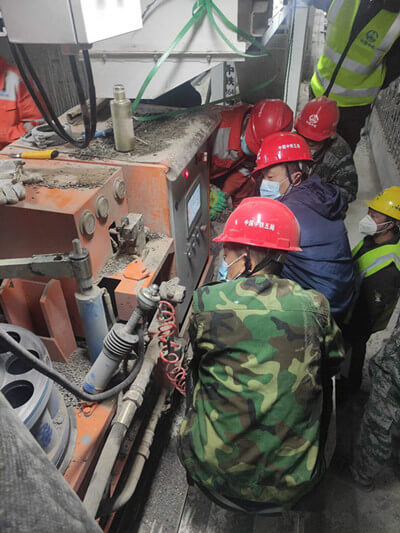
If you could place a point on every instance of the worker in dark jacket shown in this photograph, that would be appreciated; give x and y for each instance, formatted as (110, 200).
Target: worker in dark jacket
(360, 57)
(377, 261)
(333, 159)
(325, 262)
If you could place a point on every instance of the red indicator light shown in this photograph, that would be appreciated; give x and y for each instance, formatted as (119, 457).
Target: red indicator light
(186, 173)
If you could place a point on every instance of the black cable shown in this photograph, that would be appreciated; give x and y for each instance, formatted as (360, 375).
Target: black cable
(92, 92)
(53, 122)
(81, 96)
(51, 373)
(18, 62)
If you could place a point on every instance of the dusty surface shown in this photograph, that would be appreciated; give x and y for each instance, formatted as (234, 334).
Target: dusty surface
(119, 262)
(69, 176)
(151, 137)
(75, 371)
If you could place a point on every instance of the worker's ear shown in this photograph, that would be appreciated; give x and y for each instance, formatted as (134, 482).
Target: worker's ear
(390, 223)
(296, 178)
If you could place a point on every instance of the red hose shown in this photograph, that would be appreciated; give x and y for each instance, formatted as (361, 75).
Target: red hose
(167, 330)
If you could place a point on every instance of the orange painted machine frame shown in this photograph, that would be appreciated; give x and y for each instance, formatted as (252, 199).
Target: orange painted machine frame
(49, 219)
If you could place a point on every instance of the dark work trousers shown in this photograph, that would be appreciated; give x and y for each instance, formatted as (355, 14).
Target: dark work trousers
(356, 335)
(351, 122)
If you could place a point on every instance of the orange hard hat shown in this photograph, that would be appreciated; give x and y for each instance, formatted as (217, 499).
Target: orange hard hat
(318, 119)
(262, 222)
(266, 117)
(282, 147)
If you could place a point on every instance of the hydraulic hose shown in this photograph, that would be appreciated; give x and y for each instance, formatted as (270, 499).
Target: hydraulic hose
(132, 400)
(51, 373)
(142, 454)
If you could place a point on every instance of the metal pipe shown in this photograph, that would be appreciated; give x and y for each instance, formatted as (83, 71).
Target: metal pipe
(94, 321)
(108, 306)
(142, 454)
(132, 400)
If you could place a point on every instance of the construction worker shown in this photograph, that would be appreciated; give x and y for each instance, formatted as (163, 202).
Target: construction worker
(263, 353)
(360, 57)
(238, 140)
(379, 437)
(325, 262)
(377, 263)
(333, 159)
(18, 112)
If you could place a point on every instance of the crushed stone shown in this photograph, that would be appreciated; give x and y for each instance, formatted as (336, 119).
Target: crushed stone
(75, 371)
(68, 176)
(151, 137)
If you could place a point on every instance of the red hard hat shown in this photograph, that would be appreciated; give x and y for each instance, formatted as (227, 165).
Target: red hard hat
(318, 119)
(266, 117)
(262, 222)
(282, 147)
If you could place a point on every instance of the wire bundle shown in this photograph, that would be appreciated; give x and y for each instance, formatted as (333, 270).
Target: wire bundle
(169, 352)
(42, 101)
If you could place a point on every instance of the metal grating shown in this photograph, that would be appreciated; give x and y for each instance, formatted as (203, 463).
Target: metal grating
(388, 107)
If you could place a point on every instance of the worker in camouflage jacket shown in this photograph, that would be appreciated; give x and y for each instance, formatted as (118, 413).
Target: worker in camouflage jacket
(381, 421)
(333, 158)
(264, 352)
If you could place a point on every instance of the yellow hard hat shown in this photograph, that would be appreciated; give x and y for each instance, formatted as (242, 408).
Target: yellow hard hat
(387, 202)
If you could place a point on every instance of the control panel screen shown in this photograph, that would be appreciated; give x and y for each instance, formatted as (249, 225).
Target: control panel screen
(193, 205)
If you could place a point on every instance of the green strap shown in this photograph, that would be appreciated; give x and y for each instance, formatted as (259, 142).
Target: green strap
(200, 9)
(210, 6)
(197, 15)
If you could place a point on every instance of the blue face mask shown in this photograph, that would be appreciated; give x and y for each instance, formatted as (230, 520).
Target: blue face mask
(223, 269)
(270, 189)
(246, 150)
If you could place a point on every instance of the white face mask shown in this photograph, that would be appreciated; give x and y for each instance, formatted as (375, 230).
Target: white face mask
(368, 226)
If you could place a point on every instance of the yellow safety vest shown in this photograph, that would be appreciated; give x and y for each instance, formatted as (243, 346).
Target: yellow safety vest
(362, 72)
(374, 260)
(371, 262)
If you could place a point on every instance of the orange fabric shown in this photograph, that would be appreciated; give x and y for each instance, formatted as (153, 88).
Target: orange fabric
(231, 118)
(238, 184)
(15, 112)
(239, 187)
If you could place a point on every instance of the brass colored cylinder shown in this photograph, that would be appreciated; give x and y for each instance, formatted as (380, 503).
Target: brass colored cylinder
(121, 113)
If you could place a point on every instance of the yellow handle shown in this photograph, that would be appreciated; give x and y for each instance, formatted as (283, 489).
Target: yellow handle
(41, 154)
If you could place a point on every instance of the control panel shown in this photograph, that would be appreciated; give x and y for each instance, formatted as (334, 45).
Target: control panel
(188, 199)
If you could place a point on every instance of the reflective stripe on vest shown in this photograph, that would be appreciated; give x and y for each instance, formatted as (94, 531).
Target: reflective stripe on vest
(337, 89)
(374, 260)
(11, 83)
(362, 71)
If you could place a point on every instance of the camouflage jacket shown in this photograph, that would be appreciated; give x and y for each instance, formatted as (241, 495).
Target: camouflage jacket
(252, 431)
(387, 360)
(335, 165)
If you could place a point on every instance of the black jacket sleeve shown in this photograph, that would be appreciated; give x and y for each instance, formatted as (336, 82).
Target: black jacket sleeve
(392, 61)
(379, 293)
